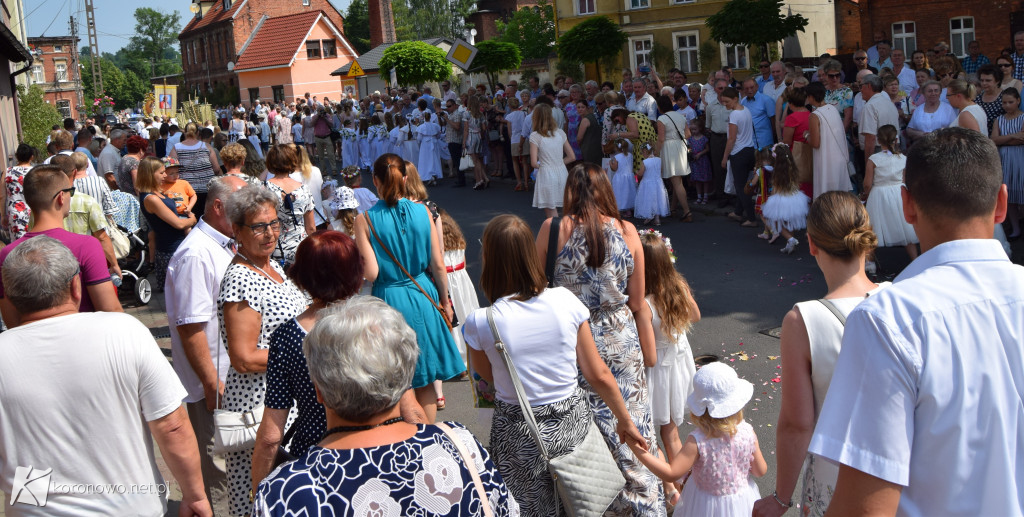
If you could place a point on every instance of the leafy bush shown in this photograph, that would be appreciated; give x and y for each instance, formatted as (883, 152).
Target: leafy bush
(415, 63)
(37, 116)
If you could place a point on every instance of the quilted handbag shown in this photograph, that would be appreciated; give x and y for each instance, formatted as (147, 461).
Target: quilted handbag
(587, 479)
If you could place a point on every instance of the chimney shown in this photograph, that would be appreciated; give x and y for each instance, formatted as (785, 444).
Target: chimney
(382, 23)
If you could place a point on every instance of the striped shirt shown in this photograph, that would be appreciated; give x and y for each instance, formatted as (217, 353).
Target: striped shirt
(97, 188)
(196, 168)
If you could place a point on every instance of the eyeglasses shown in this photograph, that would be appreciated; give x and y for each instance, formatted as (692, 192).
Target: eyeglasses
(73, 275)
(835, 76)
(261, 229)
(1005, 65)
(69, 190)
(860, 58)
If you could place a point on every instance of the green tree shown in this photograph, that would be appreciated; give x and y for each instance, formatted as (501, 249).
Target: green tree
(357, 25)
(754, 23)
(415, 63)
(403, 21)
(532, 29)
(155, 32)
(126, 88)
(592, 40)
(496, 56)
(37, 116)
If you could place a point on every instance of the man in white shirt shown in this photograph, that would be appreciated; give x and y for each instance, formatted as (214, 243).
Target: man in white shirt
(641, 101)
(84, 397)
(924, 407)
(193, 284)
(777, 85)
(878, 111)
(906, 75)
(882, 61)
(140, 126)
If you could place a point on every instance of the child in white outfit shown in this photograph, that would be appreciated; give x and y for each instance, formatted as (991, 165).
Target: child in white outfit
(722, 452)
(651, 196)
(623, 181)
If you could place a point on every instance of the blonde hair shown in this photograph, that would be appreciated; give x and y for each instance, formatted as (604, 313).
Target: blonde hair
(145, 181)
(667, 288)
(305, 166)
(717, 427)
(453, 238)
(414, 189)
(80, 161)
(233, 155)
(543, 120)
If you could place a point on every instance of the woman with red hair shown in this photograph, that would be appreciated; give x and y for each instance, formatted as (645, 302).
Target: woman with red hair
(129, 169)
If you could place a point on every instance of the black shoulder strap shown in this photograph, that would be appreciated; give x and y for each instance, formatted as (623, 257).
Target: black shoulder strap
(549, 267)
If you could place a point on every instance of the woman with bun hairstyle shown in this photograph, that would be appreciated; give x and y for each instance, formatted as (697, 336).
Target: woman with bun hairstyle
(399, 244)
(960, 95)
(840, 238)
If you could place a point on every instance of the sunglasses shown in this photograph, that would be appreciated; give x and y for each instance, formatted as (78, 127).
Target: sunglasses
(860, 59)
(1003, 65)
(762, 66)
(834, 76)
(69, 190)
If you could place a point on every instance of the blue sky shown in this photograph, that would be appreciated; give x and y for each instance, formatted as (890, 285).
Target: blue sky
(115, 22)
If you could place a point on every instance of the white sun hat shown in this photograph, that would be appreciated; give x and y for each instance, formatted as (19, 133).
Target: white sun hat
(718, 391)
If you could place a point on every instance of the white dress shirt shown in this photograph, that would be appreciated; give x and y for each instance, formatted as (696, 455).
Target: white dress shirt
(190, 291)
(773, 91)
(878, 111)
(645, 105)
(908, 79)
(927, 389)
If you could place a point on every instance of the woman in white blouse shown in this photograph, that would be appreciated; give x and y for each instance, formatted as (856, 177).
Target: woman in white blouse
(933, 114)
(547, 334)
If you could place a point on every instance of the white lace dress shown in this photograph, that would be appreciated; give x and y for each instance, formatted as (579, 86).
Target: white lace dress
(720, 483)
(551, 173)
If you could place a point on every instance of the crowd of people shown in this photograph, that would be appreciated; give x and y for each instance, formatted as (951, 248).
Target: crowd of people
(331, 377)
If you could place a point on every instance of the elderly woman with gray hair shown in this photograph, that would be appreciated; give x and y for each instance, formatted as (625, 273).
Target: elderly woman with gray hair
(255, 298)
(361, 356)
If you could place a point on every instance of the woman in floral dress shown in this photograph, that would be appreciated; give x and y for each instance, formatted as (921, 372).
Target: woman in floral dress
(18, 213)
(596, 260)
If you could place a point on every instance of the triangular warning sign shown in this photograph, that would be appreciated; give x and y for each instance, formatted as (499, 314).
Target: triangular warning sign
(355, 70)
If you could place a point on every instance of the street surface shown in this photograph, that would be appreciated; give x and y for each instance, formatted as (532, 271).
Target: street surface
(743, 286)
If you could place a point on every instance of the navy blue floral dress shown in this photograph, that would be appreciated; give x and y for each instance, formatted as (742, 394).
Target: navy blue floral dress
(603, 291)
(422, 476)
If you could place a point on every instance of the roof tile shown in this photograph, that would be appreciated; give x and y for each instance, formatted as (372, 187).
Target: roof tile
(277, 40)
(214, 15)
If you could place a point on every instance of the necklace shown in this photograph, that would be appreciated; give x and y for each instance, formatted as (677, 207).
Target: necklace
(354, 428)
(253, 264)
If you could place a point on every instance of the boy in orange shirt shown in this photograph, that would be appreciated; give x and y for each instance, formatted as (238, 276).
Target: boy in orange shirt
(179, 190)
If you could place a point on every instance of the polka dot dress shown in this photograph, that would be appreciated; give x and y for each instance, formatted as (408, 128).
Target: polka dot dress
(288, 385)
(276, 303)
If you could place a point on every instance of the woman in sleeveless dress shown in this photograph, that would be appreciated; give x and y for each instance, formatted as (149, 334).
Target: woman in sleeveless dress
(398, 227)
(600, 259)
(673, 130)
(1012, 157)
(827, 137)
(549, 153)
(840, 238)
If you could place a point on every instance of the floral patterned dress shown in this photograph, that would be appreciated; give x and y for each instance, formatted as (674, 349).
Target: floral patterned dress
(603, 291)
(18, 212)
(573, 118)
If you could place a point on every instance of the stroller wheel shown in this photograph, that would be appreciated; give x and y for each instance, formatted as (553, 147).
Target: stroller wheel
(143, 291)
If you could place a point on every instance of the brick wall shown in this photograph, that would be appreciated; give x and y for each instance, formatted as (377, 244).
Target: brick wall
(931, 17)
(848, 35)
(65, 90)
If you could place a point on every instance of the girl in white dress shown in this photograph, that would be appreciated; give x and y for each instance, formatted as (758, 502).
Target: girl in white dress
(786, 209)
(673, 311)
(349, 145)
(723, 451)
(651, 196)
(462, 293)
(410, 146)
(549, 153)
(378, 136)
(883, 177)
(395, 134)
(365, 158)
(429, 160)
(353, 179)
(623, 180)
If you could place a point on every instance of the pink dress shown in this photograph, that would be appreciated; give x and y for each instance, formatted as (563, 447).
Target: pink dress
(720, 483)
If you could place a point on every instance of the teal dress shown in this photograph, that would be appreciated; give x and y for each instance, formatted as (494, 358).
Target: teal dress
(405, 230)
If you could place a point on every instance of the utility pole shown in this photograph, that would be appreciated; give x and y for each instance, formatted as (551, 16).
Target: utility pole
(76, 73)
(94, 49)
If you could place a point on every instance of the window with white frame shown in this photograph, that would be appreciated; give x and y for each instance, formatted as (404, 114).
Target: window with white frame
(961, 32)
(38, 74)
(641, 51)
(735, 56)
(686, 44)
(64, 107)
(904, 37)
(638, 4)
(586, 6)
(60, 71)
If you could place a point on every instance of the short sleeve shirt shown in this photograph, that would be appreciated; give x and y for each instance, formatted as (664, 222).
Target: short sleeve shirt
(85, 248)
(85, 216)
(878, 111)
(941, 414)
(744, 129)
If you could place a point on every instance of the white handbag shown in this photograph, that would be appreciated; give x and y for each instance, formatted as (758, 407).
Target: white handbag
(234, 431)
(587, 479)
(466, 163)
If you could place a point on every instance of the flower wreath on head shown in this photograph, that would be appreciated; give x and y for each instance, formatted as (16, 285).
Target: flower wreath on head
(668, 243)
(350, 172)
(783, 144)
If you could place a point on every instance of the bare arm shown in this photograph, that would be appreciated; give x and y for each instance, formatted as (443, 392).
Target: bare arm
(967, 121)
(596, 372)
(632, 129)
(582, 130)
(103, 296)
(680, 465)
(178, 446)
(661, 139)
(154, 206)
(214, 160)
(729, 145)
(268, 439)
(568, 155)
(869, 145)
(814, 132)
(637, 304)
(242, 328)
(438, 269)
(108, 248)
(533, 156)
(787, 135)
(863, 495)
(362, 231)
(197, 351)
(869, 177)
(847, 118)
(309, 222)
(481, 364)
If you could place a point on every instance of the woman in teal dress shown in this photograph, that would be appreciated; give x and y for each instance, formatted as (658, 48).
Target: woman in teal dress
(404, 229)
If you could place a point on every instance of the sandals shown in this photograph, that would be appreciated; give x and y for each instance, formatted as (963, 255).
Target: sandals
(440, 403)
(687, 217)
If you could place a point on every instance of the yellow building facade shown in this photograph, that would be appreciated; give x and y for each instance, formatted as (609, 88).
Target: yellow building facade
(655, 24)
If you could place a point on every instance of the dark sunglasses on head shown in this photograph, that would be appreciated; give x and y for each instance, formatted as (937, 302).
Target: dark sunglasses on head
(69, 190)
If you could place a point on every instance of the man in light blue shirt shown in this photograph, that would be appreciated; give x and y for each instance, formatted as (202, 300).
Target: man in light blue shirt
(923, 411)
(762, 110)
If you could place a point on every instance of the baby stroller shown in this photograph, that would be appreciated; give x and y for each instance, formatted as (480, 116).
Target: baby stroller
(134, 265)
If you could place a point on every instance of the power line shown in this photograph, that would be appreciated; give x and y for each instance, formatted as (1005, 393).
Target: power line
(54, 18)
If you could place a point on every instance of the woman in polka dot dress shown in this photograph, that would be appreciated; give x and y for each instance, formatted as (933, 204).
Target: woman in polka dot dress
(255, 298)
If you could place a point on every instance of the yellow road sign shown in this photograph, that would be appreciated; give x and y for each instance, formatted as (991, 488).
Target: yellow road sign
(355, 70)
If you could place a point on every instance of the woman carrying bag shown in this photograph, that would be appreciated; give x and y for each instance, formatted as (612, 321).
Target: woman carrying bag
(547, 334)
